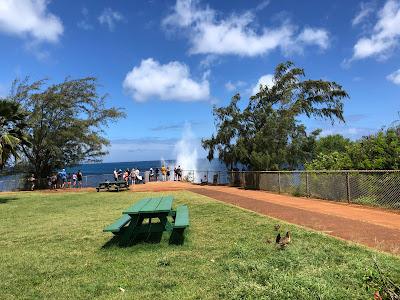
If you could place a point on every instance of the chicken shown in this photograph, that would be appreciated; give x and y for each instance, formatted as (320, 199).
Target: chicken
(283, 241)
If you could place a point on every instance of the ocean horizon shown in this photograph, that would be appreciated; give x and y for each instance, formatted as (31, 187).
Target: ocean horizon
(108, 167)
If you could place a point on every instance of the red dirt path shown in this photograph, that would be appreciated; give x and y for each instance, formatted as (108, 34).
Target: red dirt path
(371, 227)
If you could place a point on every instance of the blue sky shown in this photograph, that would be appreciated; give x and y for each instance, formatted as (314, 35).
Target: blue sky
(168, 62)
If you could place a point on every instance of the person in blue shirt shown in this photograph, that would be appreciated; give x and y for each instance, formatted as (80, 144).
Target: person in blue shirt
(63, 177)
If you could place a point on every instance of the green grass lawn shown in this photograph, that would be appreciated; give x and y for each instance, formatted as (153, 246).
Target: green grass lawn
(52, 247)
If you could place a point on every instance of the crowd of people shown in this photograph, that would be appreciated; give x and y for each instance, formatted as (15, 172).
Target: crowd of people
(132, 176)
(63, 180)
(165, 173)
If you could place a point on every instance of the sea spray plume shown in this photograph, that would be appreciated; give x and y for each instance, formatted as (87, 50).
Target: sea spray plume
(186, 150)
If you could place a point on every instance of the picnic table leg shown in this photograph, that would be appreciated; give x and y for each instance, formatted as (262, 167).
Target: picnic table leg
(131, 231)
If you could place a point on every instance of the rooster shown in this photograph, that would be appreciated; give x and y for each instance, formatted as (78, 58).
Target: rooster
(283, 241)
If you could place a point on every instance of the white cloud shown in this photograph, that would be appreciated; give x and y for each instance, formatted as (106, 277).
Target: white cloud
(313, 36)
(265, 80)
(385, 34)
(237, 34)
(109, 17)
(394, 77)
(167, 82)
(366, 9)
(234, 86)
(30, 18)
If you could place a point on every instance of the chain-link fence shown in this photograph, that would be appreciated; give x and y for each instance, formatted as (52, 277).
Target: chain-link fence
(373, 188)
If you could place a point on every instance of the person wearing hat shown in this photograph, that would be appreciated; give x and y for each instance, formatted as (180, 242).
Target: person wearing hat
(151, 175)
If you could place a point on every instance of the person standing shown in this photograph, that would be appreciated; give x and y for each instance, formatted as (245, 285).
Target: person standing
(69, 180)
(168, 173)
(74, 179)
(151, 175)
(163, 173)
(54, 180)
(175, 173)
(32, 181)
(157, 173)
(179, 173)
(137, 174)
(115, 175)
(79, 177)
(133, 176)
(125, 176)
(63, 178)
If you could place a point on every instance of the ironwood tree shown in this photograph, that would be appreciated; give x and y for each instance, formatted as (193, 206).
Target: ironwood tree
(65, 121)
(268, 133)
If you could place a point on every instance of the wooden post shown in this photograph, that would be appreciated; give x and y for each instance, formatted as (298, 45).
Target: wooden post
(279, 182)
(307, 185)
(348, 187)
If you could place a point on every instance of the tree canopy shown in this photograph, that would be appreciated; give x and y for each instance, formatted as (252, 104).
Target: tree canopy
(268, 134)
(380, 151)
(65, 122)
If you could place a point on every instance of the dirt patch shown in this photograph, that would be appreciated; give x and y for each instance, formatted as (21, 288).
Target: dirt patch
(371, 235)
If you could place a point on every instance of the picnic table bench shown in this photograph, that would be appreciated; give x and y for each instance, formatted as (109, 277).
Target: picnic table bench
(114, 185)
(130, 225)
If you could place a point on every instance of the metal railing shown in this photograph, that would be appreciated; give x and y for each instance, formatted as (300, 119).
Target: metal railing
(365, 187)
(18, 182)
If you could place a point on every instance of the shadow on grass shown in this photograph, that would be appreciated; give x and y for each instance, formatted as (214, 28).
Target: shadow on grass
(150, 238)
(7, 199)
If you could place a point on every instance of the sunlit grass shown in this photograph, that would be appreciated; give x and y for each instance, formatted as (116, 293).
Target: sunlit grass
(52, 246)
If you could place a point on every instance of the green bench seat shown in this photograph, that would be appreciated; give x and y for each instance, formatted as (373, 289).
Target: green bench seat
(118, 225)
(115, 185)
(180, 224)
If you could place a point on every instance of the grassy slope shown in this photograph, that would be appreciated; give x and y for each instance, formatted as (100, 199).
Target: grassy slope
(51, 246)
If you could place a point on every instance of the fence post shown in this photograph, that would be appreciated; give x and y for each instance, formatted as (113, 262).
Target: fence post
(219, 179)
(279, 182)
(348, 187)
(307, 185)
(207, 176)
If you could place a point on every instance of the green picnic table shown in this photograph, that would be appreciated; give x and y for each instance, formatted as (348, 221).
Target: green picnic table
(115, 185)
(160, 215)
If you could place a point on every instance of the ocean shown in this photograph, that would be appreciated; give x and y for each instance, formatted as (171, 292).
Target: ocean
(108, 168)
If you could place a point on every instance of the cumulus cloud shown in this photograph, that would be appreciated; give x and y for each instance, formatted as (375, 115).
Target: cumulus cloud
(170, 81)
(110, 17)
(237, 34)
(30, 18)
(265, 80)
(314, 36)
(394, 77)
(384, 36)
